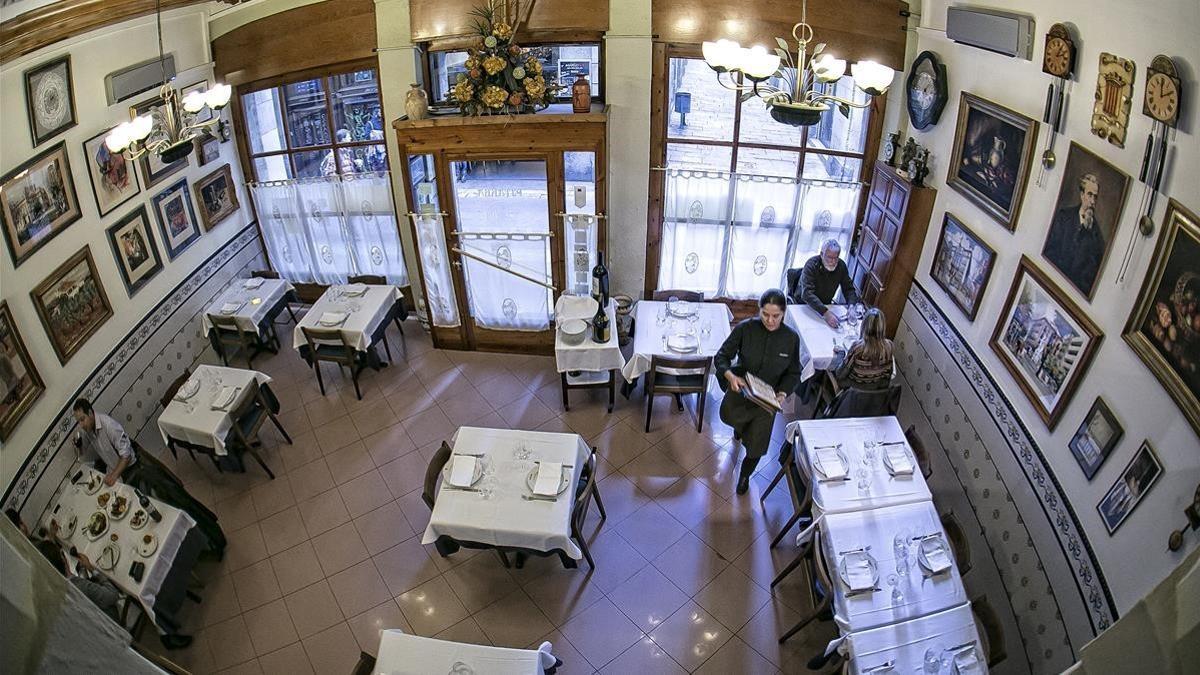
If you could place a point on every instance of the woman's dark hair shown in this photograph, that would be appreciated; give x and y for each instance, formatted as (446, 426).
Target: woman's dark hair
(13, 516)
(773, 296)
(83, 405)
(54, 554)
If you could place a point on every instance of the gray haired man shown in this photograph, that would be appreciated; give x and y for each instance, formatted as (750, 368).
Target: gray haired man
(820, 280)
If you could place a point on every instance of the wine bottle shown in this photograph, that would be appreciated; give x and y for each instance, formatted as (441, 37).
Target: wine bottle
(148, 506)
(600, 281)
(600, 324)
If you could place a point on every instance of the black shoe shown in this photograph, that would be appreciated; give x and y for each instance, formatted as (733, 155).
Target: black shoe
(175, 641)
(743, 485)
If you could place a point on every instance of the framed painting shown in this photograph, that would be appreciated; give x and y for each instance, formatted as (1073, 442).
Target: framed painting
(217, 197)
(1164, 327)
(1090, 200)
(132, 242)
(50, 99)
(1044, 341)
(37, 202)
(1135, 481)
(20, 384)
(208, 149)
(176, 219)
(992, 156)
(72, 304)
(154, 170)
(962, 265)
(1095, 438)
(114, 180)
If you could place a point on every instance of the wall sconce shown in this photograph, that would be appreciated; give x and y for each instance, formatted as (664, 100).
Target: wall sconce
(1175, 542)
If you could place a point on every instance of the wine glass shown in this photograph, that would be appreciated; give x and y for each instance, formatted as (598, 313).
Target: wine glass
(897, 595)
(522, 451)
(864, 480)
(933, 660)
(706, 328)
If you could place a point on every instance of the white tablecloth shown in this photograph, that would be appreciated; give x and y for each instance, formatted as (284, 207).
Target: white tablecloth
(905, 643)
(648, 339)
(403, 654)
(817, 337)
(170, 533)
(876, 529)
(255, 302)
(843, 496)
(194, 420)
(367, 311)
(504, 518)
(588, 355)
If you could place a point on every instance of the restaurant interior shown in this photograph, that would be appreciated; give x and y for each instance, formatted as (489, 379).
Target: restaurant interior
(599, 336)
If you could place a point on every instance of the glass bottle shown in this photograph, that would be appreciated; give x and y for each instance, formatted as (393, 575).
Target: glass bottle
(600, 327)
(600, 281)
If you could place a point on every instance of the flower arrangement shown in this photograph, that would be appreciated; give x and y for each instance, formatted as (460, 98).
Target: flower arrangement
(501, 77)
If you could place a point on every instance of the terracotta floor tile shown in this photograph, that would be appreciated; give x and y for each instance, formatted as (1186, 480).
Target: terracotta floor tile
(333, 650)
(229, 642)
(645, 657)
(365, 493)
(388, 444)
(244, 547)
(270, 627)
(346, 464)
(480, 581)
(358, 588)
(283, 530)
(431, 607)
(313, 609)
(691, 635)
(256, 585)
(336, 434)
(272, 497)
(339, 548)
(366, 626)
(601, 633)
(324, 512)
(383, 527)
(310, 480)
(513, 621)
(405, 566)
(291, 660)
(296, 568)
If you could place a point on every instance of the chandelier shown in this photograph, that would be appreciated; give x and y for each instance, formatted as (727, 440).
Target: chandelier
(169, 130)
(799, 104)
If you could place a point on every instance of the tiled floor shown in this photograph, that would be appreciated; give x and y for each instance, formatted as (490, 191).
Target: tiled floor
(329, 552)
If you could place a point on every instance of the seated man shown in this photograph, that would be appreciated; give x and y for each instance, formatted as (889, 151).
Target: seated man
(820, 280)
(105, 437)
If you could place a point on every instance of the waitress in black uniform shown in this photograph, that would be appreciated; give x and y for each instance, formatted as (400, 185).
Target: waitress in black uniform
(764, 346)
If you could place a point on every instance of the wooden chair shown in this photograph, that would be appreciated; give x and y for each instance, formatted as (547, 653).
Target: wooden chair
(798, 488)
(264, 274)
(918, 448)
(959, 543)
(792, 279)
(292, 297)
(193, 449)
(379, 280)
(852, 402)
(329, 345)
(687, 296)
(583, 500)
(609, 383)
(228, 332)
(365, 665)
(992, 631)
(429, 493)
(658, 382)
(822, 586)
(169, 394)
(248, 418)
(584, 476)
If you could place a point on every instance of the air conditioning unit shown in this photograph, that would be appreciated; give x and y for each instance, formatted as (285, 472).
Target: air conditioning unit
(991, 29)
(131, 81)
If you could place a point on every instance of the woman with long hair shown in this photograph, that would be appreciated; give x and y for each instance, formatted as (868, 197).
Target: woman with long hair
(868, 363)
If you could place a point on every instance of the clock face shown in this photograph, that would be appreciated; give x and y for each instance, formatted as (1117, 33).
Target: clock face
(926, 90)
(1162, 98)
(1057, 58)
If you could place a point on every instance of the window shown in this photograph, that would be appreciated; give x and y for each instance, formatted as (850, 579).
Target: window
(320, 126)
(561, 63)
(746, 197)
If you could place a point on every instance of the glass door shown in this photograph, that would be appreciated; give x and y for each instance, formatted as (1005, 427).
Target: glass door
(502, 235)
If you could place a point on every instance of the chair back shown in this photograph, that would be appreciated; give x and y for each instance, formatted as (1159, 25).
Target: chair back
(583, 498)
(173, 388)
(691, 366)
(368, 279)
(958, 541)
(429, 490)
(329, 337)
(792, 278)
(992, 631)
(918, 448)
(820, 565)
(264, 274)
(230, 331)
(852, 402)
(687, 296)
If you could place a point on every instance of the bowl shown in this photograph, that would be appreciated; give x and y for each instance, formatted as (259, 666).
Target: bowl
(573, 331)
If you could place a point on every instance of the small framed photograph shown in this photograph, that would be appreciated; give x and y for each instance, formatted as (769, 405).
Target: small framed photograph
(1096, 437)
(20, 383)
(962, 265)
(1135, 481)
(72, 304)
(132, 242)
(50, 99)
(37, 202)
(176, 218)
(208, 149)
(154, 170)
(114, 180)
(992, 156)
(217, 197)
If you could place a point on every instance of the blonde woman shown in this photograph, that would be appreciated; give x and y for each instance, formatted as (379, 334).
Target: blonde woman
(868, 363)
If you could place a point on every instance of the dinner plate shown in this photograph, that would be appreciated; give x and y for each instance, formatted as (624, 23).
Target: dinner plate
(66, 524)
(683, 343)
(339, 319)
(564, 482)
(119, 507)
(479, 467)
(930, 546)
(225, 398)
(94, 484)
(821, 469)
(887, 463)
(103, 499)
(96, 525)
(188, 389)
(681, 309)
(231, 307)
(843, 572)
(147, 545)
(109, 557)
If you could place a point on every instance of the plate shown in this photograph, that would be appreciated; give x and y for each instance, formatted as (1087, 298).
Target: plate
(683, 343)
(844, 575)
(103, 498)
(821, 468)
(188, 390)
(563, 484)
(119, 508)
(681, 308)
(66, 526)
(147, 545)
(930, 546)
(108, 558)
(887, 463)
(95, 482)
(139, 519)
(479, 467)
(96, 525)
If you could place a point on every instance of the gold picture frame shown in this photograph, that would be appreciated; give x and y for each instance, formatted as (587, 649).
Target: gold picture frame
(22, 383)
(72, 304)
(992, 157)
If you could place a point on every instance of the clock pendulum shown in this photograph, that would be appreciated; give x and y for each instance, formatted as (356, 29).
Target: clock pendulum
(1161, 104)
(1058, 60)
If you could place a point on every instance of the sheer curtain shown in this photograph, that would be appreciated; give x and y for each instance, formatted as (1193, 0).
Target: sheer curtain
(324, 230)
(695, 220)
(435, 263)
(500, 300)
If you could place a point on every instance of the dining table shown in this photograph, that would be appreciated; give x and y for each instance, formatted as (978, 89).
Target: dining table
(403, 654)
(251, 302)
(356, 310)
(944, 642)
(201, 412)
(819, 342)
(659, 323)
(499, 507)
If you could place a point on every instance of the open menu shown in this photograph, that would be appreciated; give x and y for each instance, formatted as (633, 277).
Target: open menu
(760, 393)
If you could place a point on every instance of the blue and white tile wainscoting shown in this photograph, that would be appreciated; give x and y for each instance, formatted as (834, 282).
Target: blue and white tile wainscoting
(130, 380)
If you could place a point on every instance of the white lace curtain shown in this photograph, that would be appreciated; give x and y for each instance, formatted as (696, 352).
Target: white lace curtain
(325, 230)
(735, 235)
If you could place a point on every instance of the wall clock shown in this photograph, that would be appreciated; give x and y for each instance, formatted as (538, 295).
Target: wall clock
(1114, 95)
(1058, 60)
(1161, 104)
(926, 90)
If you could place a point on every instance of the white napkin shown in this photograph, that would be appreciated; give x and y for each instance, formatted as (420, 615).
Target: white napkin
(829, 463)
(224, 397)
(934, 552)
(231, 307)
(332, 318)
(354, 290)
(858, 572)
(966, 662)
(897, 459)
(253, 282)
(549, 477)
(462, 471)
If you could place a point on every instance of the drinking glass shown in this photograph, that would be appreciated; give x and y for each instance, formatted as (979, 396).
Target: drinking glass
(897, 595)
(933, 660)
(521, 452)
(706, 328)
(864, 480)
(662, 315)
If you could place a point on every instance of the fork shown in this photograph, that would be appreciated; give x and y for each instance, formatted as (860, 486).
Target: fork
(536, 498)
(883, 666)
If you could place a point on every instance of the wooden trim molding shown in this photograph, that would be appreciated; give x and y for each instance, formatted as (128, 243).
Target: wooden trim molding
(65, 19)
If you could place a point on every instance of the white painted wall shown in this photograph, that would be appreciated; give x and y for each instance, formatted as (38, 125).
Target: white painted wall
(1135, 558)
(93, 56)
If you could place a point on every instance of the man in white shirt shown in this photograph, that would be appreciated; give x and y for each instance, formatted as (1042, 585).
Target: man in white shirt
(106, 437)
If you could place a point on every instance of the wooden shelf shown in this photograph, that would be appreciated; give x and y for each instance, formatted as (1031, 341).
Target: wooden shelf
(555, 113)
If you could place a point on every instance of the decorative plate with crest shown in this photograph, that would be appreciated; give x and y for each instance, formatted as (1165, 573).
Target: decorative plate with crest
(1114, 96)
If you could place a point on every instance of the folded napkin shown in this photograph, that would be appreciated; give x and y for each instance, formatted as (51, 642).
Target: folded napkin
(332, 318)
(858, 572)
(898, 461)
(829, 463)
(354, 290)
(231, 307)
(549, 477)
(936, 558)
(462, 471)
(254, 282)
(224, 397)
(966, 662)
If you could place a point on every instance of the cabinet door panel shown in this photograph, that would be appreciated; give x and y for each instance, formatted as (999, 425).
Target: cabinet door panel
(890, 233)
(897, 197)
(879, 187)
(874, 219)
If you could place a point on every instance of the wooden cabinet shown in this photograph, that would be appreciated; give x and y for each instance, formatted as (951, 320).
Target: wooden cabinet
(889, 242)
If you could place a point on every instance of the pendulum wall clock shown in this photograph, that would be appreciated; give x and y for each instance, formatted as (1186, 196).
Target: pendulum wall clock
(1058, 61)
